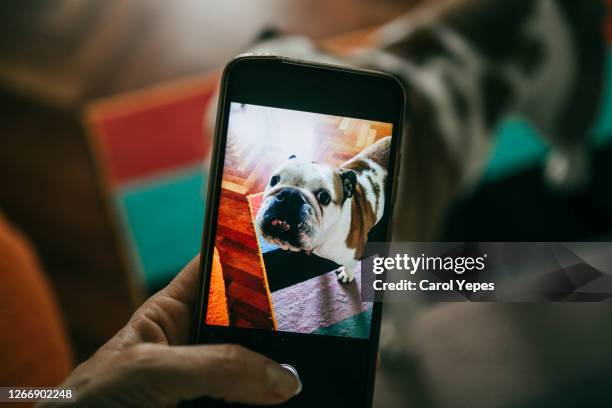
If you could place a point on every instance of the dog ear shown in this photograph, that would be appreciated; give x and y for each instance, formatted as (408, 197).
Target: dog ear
(349, 181)
(293, 156)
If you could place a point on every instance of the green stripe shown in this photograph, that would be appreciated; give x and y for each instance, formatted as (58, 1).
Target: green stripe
(164, 221)
(357, 326)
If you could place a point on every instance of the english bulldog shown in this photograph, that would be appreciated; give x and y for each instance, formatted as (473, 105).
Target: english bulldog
(326, 210)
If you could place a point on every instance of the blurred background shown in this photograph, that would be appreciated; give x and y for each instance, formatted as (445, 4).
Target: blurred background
(103, 166)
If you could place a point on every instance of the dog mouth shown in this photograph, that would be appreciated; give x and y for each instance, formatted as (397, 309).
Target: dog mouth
(287, 233)
(283, 234)
(284, 225)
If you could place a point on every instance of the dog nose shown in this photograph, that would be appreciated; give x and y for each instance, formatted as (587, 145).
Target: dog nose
(290, 196)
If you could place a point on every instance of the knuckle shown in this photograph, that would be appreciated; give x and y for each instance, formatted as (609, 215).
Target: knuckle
(228, 371)
(139, 351)
(234, 359)
(139, 357)
(233, 352)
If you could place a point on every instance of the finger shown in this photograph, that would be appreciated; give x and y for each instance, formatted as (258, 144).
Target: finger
(184, 287)
(167, 316)
(227, 372)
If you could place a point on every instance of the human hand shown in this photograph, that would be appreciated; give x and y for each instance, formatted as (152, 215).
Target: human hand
(148, 364)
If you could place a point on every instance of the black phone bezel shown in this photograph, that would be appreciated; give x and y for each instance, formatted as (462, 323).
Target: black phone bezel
(322, 88)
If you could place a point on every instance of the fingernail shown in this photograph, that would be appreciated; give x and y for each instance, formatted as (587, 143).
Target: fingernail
(281, 381)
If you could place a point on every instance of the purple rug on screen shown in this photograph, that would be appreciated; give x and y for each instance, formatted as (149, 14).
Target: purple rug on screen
(317, 303)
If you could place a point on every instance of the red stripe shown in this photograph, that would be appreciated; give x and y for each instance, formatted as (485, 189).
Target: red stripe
(154, 138)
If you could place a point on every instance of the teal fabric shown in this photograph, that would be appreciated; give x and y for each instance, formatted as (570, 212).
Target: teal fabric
(357, 326)
(164, 219)
(518, 145)
(603, 128)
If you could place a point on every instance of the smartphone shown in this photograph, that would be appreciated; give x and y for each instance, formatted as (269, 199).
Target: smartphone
(303, 175)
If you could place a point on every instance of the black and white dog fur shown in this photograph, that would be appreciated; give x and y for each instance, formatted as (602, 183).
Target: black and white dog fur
(468, 64)
(326, 210)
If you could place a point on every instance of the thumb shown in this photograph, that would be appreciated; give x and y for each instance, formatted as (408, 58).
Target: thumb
(227, 372)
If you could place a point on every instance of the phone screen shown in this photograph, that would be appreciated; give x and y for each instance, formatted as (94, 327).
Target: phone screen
(300, 193)
(286, 228)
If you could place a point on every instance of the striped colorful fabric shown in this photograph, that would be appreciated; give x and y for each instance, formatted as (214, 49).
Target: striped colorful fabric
(152, 149)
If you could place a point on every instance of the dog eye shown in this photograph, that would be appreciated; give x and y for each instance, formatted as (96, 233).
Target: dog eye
(323, 197)
(274, 180)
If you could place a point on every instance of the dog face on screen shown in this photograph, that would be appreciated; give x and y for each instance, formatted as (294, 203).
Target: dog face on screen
(302, 201)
